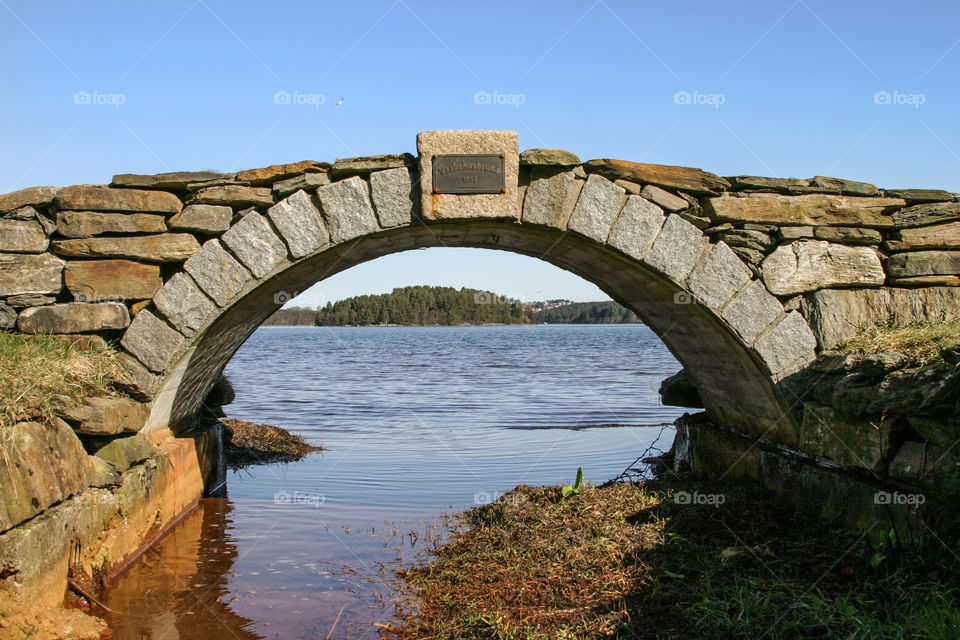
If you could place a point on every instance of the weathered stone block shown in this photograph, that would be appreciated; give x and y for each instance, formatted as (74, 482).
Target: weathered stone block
(152, 341)
(31, 479)
(22, 236)
(795, 233)
(481, 205)
(943, 432)
(205, 218)
(927, 465)
(392, 192)
(762, 183)
(939, 236)
(277, 172)
(718, 277)
(23, 300)
(924, 263)
(849, 442)
(687, 179)
(677, 248)
(119, 280)
(8, 316)
(308, 182)
(597, 207)
(548, 158)
(183, 304)
(365, 165)
(838, 314)
(253, 241)
(921, 195)
(175, 180)
(664, 199)
(139, 382)
(30, 273)
(347, 209)
(678, 391)
(920, 215)
(73, 317)
(751, 311)
(786, 345)
(747, 239)
(162, 247)
(82, 224)
(217, 272)
(87, 198)
(550, 197)
(848, 235)
(234, 195)
(807, 265)
(105, 416)
(31, 196)
(811, 209)
(637, 227)
(300, 224)
(925, 281)
(125, 452)
(844, 187)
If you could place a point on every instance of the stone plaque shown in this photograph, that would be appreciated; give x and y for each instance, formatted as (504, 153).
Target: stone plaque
(468, 173)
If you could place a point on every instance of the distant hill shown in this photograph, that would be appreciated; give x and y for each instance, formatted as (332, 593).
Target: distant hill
(424, 305)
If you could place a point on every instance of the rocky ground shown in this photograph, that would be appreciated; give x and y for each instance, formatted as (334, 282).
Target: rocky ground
(678, 557)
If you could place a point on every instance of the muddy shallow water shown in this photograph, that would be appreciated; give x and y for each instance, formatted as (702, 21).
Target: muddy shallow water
(415, 422)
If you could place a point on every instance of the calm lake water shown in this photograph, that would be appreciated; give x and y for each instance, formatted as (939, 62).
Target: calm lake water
(416, 421)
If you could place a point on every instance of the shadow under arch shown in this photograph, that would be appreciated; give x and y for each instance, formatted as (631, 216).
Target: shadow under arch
(736, 386)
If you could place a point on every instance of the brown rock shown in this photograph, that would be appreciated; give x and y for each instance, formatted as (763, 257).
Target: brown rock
(688, 179)
(22, 236)
(923, 263)
(88, 198)
(30, 273)
(164, 247)
(32, 196)
(82, 224)
(365, 165)
(30, 300)
(276, 172)
(175, 181)
(663, 199)
(137, 307)
(106, 416)
(925, 281)
(848, 235)
(73, 317)
(205, 218)
(309, 182)
(761, 183)
(233, 195)
(921, 195)
(844, 187)
(548, 157)
(939, 236)
(811, 209)
(920, 215)
(99, 280)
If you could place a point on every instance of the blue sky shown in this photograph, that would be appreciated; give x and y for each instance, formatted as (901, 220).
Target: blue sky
(860, 90)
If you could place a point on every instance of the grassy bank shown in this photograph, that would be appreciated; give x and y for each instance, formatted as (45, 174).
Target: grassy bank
(921, 343)
(677, 558)
(35, 369)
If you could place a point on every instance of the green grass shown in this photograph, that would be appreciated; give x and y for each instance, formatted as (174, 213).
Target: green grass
(919, 342)
(34, 369)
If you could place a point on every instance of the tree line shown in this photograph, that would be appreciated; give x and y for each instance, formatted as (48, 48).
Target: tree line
(426, 305)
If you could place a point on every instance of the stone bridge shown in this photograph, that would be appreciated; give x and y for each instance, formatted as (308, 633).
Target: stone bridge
(746, 279)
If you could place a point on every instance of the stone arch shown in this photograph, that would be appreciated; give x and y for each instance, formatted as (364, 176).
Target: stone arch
(732, 335)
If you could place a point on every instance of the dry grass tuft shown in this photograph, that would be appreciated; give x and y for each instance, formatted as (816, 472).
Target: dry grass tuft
(34, 369)
(920, 342)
